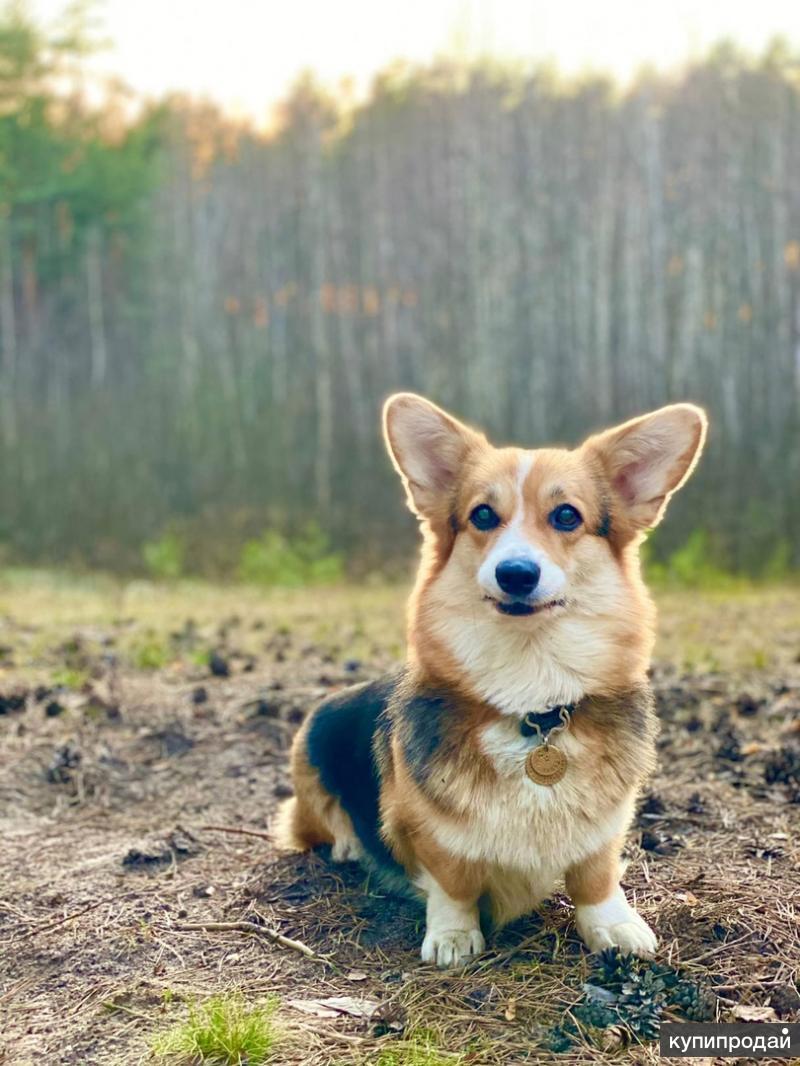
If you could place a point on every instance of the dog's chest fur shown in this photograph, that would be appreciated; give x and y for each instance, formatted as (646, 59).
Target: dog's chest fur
(486, 807)
(517, 824)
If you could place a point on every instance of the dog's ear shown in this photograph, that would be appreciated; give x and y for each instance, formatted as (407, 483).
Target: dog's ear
(428, 448)
(647, 459)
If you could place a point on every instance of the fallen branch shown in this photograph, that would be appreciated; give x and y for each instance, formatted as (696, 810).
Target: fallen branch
(495, 957)
(77, 914)
(249, 927)
(67, 918)
(235, 829)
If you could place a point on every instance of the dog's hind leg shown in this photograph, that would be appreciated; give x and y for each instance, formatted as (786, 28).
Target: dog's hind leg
(313, 816)
(346, 845)
(300, 826)
(296, 827)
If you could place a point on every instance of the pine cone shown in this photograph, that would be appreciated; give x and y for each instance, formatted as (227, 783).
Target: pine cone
(783, 767)
(695, 1003)
(595, 1015)
(643, 990)
(785, 1000)
(561, 1040)
(614, 1038)
(642, 1001)
(642, 1017)
(613, 969)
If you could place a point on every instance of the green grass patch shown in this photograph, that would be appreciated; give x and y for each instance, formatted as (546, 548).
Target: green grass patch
(420, 1051)
(151, 654)
(222, 1031)
(70, 678)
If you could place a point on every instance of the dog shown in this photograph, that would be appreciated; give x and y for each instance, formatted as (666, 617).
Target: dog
(506, 756)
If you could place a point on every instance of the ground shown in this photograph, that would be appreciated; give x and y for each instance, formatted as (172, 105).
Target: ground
(144, 739)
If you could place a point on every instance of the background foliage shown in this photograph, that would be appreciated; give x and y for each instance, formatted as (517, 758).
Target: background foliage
(199, 322)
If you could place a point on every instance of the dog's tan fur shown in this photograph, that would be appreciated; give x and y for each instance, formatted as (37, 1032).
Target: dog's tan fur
(313, 816)
(477, 827)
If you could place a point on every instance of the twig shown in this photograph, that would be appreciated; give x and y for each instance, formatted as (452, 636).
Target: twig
(715, 951)
(351, 1038)
(113, 1008)
(26, 982)
(13, 910)
(78, 914)
(67, 918)
(248, 927)
(235, 829)
(493, 958)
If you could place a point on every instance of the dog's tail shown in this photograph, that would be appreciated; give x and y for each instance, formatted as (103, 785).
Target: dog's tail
(284, 829)
(297, 829)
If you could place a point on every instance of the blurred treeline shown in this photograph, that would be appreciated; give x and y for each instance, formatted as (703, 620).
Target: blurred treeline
(199, 321)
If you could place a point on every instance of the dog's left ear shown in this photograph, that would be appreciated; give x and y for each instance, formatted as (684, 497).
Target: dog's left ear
(649, 458)
(428, 448)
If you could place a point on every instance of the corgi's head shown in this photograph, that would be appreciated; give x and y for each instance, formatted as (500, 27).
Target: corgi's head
(534, 539)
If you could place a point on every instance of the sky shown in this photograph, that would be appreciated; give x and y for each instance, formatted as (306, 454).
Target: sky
(246, 53)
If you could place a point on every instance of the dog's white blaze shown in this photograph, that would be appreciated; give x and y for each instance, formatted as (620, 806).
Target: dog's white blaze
(513, 544)
(524, 468)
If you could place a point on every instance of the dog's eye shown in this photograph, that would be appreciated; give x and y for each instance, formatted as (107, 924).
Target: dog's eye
(565, 518)
(484, 518)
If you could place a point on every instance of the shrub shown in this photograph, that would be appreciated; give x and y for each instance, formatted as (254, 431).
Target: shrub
(165, 557)
(778, 565)
(696, 564)
(272, 559)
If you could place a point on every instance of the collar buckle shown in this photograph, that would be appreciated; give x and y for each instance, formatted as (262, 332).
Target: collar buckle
(547, 724)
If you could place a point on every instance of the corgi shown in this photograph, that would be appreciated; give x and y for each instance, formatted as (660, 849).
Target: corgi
(506, 756)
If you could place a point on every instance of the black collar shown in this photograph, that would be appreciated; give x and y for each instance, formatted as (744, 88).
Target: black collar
(544, 721)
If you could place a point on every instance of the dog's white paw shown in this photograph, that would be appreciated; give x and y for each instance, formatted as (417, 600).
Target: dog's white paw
(452, 947)
(615, 924)
(634, 937)
(347, 849)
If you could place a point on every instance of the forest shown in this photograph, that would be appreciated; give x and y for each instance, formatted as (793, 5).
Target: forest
(200, 319)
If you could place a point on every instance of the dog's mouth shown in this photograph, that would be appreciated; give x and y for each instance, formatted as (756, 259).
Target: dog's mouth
(519, 608)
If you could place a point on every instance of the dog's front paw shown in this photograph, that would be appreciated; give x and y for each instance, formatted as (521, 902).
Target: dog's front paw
(615, 924)
(452, 947)
(635, 937)
(347, 849)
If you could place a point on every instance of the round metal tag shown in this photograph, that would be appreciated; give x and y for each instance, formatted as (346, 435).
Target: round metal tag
(545, 765)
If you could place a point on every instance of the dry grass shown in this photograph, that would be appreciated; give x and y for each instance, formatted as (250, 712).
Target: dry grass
(120, 906)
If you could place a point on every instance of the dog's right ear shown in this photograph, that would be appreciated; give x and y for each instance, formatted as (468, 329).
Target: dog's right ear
(428, 448)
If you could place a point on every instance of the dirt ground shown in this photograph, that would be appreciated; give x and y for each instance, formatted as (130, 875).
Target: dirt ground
(144, 739)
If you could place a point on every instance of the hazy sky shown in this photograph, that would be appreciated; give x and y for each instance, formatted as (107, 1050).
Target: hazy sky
(244, 53)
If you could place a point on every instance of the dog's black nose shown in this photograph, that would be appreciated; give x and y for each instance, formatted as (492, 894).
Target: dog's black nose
(517, 577)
